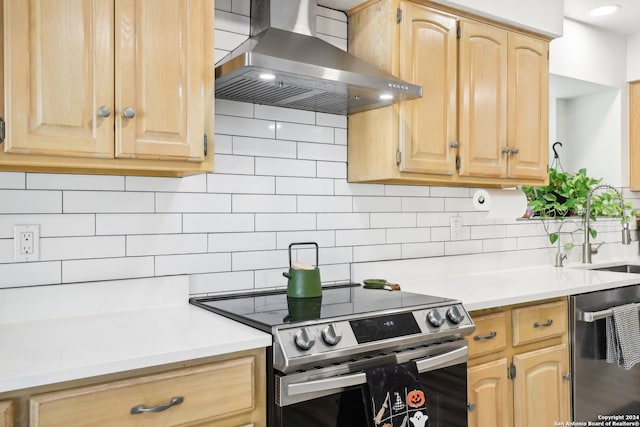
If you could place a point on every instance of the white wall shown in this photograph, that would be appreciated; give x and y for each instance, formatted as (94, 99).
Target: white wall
(633, 57)
(280, 177)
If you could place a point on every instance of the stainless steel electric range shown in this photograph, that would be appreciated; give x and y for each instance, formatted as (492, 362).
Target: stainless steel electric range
(321, 347)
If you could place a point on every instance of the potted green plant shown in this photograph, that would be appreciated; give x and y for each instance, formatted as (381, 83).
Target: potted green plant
(566, 197)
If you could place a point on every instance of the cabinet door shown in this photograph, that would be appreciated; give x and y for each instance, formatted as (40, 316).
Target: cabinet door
(488, 392)
(428, 57)
(634, 135)
(528, 103)
(482, 124)
(58, 73)
(6, 414)
(541, 393)
(164, 51)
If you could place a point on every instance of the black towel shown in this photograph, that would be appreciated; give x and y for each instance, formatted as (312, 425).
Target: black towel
(395, 398)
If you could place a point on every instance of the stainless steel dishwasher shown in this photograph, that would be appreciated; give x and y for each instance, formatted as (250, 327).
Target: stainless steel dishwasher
(600, 388)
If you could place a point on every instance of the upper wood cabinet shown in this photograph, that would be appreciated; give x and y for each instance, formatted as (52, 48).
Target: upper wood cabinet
(483, 117)
(634, 135)
(108, 86)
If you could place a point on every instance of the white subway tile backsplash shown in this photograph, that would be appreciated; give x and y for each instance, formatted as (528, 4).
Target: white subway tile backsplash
(285, 222)
(285, 167)
(377, 204)
(534, 242)
(217, 223)
(52, 181)
(335, 273)
(270, 278)
(441, 234)
(308, 186)
(61, 248)
(342, 255)
(258, 260)
(422, 250)
(224, 5)
(107, 202)
(302, 132)
(188, 184)
(227, 41)
(434, 219)
(237, 242)
(244, 165)
(281, 114)
(360, 237)
(408, 235)
(376, 253)
(488, 232)
(167, 265)
(344, 188)
(6, 251)
(324, 204)
(106, 269)
(458, 204)
(406, 190)
(242, 7)
(234, 108)
(243, 126)
(13, 180)
(185, 202)
(30, 274)
(331, 120)
(30, 201)
(391, 220)
(325, 152)
(223, 144)
(340, 137)
(423, 204)
(336, 41)
(51, 225)
(342, 221)
(263, 203)
(332, 170)
(450, 192)
(166, 244)
(231, 22)
(322, 238)
(331, 27)
(261, 147)
(498, 245)
(124, 224)
(463, 247)
(239, 184)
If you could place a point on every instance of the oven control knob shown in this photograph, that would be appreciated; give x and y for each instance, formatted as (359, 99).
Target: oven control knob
(455, 315)
(435, 318)
(303, 339)
(330, 335)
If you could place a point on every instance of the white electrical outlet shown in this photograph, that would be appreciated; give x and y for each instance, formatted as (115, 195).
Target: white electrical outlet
(26, 242)
(456, 227)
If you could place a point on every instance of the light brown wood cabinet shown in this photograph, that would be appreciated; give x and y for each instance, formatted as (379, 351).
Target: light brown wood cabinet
(6, 414)
(519, 366)
(483, 116)
(222, 391)
(634, 136)
(108, 86)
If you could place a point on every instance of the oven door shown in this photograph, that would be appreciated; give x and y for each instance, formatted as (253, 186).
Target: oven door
(333, 396)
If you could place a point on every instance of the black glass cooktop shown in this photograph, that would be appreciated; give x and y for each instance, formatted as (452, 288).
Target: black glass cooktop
(263, 310)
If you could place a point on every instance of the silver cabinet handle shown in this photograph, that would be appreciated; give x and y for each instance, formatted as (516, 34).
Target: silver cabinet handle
(104, 111)
(545, 324)
(490, 336)
(129, 113)
(159, 408)
(506, 150)
(455, 144)
(471, 407)
(515, 150)
(566, 376)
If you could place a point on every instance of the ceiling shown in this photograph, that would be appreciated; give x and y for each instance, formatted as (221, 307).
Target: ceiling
(626, 21)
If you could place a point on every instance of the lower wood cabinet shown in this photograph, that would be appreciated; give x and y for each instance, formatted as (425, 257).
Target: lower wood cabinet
(6, 414)
(518, 371)
(226, 391)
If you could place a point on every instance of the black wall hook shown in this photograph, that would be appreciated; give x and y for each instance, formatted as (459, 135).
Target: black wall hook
(553, 147)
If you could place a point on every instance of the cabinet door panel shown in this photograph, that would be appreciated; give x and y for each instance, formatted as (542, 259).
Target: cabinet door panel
(541, 370)
(488, 390)
(62, 77)
(428, 55)
(528, 107)
(162, 55)
(482, 100)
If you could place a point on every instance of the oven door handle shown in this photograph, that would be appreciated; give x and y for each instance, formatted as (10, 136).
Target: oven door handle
(443, 360)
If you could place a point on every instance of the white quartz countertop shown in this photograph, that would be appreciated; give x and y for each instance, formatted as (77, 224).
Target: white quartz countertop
(492, 287)
(52, 334)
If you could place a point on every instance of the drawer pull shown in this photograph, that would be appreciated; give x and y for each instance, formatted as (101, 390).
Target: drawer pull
(159, 408)
(491, 335)
(547, 323)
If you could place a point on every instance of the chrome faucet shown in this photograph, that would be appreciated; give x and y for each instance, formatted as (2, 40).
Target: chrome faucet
(587, 248)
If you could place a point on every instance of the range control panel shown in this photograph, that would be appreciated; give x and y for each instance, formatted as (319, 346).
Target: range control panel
(312, 343)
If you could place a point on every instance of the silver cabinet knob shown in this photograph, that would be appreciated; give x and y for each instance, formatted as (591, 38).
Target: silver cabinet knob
(506, 150)
(129, 113)
(471, 407)
(515, 150)
(455, 144)
(104, 111)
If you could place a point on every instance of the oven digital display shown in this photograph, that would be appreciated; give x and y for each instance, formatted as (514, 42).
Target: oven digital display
(384, 327)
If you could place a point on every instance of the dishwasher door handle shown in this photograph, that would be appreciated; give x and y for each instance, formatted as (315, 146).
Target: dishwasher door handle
(592, 316)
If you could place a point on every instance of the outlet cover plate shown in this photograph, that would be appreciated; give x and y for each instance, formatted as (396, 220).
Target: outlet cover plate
(19, 254)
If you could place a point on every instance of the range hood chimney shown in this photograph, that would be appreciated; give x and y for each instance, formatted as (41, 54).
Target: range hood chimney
(284, 64)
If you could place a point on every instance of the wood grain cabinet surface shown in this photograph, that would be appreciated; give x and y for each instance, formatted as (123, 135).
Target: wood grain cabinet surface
(483, 116)
(6, 414)
(108, 86)
(519, 366)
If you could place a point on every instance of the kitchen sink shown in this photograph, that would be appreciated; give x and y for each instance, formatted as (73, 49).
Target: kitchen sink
(623, 268)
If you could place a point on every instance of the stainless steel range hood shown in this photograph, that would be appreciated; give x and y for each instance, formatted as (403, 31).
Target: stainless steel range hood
(284, 64)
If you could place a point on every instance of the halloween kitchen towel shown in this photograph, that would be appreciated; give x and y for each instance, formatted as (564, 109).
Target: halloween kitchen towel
(395, 397)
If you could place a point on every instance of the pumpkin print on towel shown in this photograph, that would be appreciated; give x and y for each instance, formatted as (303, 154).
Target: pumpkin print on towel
(395, 397)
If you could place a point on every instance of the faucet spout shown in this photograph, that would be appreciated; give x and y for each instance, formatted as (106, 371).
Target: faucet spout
(587, 248)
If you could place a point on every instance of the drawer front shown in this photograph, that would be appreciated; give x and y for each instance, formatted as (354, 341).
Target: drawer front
(490, 334)
(209, 392)
(539, 322)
